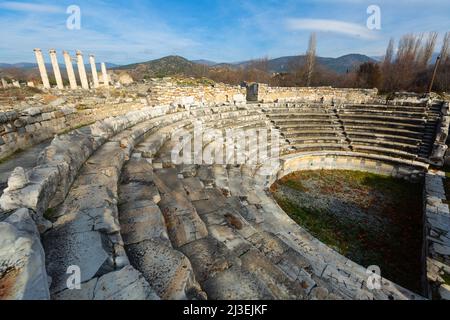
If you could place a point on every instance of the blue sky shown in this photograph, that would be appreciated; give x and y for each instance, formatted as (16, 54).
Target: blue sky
(128, 31)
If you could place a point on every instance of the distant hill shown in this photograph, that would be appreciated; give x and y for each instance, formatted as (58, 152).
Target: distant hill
(174, 65)
(205, 62)
(167, 66)
(285, 64)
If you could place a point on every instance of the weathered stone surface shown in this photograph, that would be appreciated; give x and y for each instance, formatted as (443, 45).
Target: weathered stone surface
(444, 291)
(17, 180)
(208, 257)
(35, 195)
(142, 220)
(437, 228)
(125, 284)
(183, 223)
(168, 271)
(22, 259)
(66, 247)
(137, 191)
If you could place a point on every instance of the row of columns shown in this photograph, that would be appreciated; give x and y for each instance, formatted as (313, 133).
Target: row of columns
(70, 71)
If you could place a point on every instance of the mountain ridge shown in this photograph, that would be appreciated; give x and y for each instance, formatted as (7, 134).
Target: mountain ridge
(171, 65)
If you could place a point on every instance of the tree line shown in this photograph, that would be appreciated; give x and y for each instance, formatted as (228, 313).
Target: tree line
(406, 66)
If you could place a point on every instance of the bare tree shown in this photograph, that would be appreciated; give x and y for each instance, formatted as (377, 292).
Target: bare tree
(389, 53)
(386, 68)
(445, 51)
(426, 51)
(310, 59)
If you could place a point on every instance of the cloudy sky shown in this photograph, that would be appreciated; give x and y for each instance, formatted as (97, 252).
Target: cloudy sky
(126, 31)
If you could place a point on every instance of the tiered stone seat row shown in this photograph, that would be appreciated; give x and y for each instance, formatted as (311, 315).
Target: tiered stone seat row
(395, 130)
(238, 243)
(141, 227)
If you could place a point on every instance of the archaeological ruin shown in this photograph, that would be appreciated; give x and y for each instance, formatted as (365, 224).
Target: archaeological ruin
(93, 206)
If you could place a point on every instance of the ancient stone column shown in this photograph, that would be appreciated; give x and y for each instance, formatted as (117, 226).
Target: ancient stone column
(82, 71)
(94, 70)
(69, 68)
(42, 68)
(4, 83)
(105, 75)
(56, 70)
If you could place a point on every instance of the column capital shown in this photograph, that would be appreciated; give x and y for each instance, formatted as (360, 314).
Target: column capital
(79, 53)
(36, 50)
(52, 51)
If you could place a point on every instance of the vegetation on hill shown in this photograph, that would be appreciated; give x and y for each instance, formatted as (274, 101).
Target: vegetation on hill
(409, 67)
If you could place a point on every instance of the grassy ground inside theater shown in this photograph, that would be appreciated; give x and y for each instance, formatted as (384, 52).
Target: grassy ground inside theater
(369, 218)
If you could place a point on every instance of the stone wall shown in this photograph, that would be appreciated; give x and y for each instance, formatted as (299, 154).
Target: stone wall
(264, 93)
(23, 128)
(440, 147)
(167, 91)
(436, 249)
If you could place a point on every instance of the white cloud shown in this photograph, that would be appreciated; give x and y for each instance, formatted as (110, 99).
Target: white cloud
(325, 25)
(30, 7)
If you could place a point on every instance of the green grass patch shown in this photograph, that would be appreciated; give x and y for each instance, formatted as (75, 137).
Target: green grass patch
(446, 277)
(49, 213)
(396, 205)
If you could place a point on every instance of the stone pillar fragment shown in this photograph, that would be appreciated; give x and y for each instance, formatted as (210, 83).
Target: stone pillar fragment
(42, 68)
(56, 71)
(4, 83)
(82, 71)
(69, 68)
(94, 70)
(105, 75)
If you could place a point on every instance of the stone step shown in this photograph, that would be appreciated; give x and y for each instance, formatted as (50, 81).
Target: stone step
(312, 139)
(357, 129)
(319, 146)
(417, 108)
(388, 137)
(390, 144)
(85, 230)
(388, 124)
(309, 126)
(227, 264)
(146, 237)
(301, 121)
(381, 118)
(387, 151)
(299, 115)
(389, 113)
(311, 132)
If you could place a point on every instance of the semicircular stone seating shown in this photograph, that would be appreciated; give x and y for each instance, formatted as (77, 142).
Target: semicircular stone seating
(109, 200)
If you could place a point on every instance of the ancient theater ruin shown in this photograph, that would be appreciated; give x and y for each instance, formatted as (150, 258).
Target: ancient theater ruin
(93, 206)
